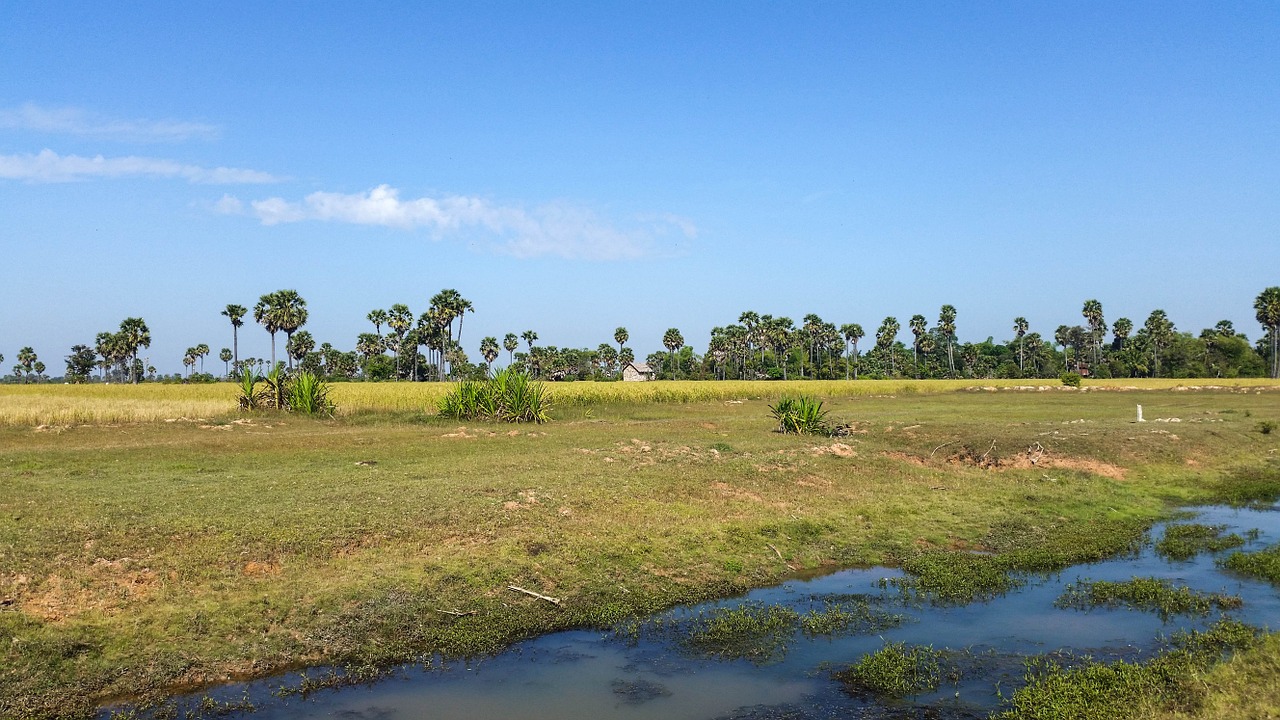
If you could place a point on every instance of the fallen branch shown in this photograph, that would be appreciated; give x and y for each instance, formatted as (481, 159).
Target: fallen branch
(530, 593)
(988, 452)
(775, 551)
(456, 613)
(953, 442)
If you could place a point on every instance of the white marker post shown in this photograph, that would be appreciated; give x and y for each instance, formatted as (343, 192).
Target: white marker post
(1140, 414)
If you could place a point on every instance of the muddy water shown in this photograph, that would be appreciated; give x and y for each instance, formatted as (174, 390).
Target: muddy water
(594, 675)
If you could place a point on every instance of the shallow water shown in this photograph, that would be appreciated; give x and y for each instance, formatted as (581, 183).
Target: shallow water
(595, 675)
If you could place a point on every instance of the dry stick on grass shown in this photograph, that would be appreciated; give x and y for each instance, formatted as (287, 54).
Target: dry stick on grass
(530, 593)
(988, 452)
(935, 450)
(456, 613)
(784, 560)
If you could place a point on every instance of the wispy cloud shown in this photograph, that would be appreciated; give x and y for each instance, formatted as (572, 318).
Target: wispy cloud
(50, 167)
(556, 229)
(76, 121)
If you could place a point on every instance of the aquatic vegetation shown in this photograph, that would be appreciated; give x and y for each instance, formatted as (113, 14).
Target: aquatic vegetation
(1082, 689)
(1151, 594)
(751, 631)
(896, 670)
(1263, 564)
(846, 617)
(1185, 541)
(953, 577)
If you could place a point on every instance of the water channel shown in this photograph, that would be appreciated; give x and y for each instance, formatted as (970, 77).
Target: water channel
(598, 675)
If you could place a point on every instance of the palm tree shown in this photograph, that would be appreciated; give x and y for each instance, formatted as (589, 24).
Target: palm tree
(26, 362)
(225, 356)
(529, 337)
(510, 343)
(400, 320)
(300, 345)
(918, 325)
(620, 336)
(201, 351)
(489, 351)
(886, 336)
(1097, 327)
(1267, 306)
(1121, 329)
(1020, 327)
(379, 318)
(1063, 337)
(1159, 331)
(947, 326)
(235, 313)
(369, 344)
(672, 340)
(134, 334)
(852, 333)
(291, 313)
(265, 314)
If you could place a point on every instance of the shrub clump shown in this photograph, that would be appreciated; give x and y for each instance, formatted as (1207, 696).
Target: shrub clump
(803, 415)
(1070, 379)
(508, 396)
(300, 392)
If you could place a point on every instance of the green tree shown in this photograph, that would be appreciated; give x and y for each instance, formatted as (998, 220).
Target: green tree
(202, 351)
(510, 343)
(886, 336)
(621, 336)
(225, 355)
(378, 318)
(852, 333)
(489, 351)
(1160, 333)
(672, 340)
(133, 336)
(918, 325)
(1092, 313)
(947, 328)
(266, 315)
(79, 363)
(1267, 306)
(1120, 330)
(27, 359)
(298, 346)
(235, 313)
(292, 314)
(1020, 327)
(400, 320)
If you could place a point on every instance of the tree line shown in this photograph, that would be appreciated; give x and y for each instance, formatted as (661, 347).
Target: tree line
(428, 347)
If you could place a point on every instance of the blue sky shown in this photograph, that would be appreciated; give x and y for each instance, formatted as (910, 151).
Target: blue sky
(572, 167)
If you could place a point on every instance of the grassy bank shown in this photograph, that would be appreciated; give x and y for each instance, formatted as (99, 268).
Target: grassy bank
(136, 557)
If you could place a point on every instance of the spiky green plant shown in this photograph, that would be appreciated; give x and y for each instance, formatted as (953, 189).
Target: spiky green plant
(802, 415)
(508, 396)
(308, 394)
(251, 398)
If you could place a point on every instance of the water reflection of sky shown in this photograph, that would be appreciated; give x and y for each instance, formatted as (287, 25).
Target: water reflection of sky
(592, 675)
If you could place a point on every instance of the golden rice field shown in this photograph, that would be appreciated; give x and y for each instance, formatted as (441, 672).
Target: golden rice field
(95, 404)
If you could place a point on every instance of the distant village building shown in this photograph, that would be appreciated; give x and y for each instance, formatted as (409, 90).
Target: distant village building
(636, 372)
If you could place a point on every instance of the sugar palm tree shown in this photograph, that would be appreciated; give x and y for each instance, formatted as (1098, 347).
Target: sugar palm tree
(852, 333)
(1267, 306)
(1160, 332)
(134, 334)
(400, 320)
(672, 340)
(620, 336)
(300, 345)
(1020, 327)
(379, 318)
(1097, 327)
(202, 350)
(1063, 337)
(947, 327)
(292, 314)
(1121, 329)
(235, 313)
(510, 343)
(918, 325)
(266, 315)
(886, 336)
(489, 351)
(225, 356)
(529, 337)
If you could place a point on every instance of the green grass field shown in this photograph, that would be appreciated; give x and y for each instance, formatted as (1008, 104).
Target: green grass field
(152, 539)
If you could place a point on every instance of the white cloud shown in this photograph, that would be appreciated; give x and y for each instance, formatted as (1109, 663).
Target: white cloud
(558, 229)
(48, 166)
(75, 121)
